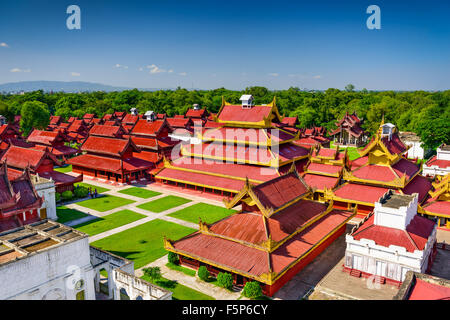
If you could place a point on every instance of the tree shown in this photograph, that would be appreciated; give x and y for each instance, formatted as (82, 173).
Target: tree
(35, 115)
(203, 273)
(154, 273)
(225, 280)
(6, 111)
(252, 289)
(173, 257)
(349, 87)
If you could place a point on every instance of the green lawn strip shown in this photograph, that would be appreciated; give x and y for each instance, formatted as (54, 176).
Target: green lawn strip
(105, 203)
(87, 185)
(144, 243)
(109, 222)
(64, 169)
(207, 212)
(351, 151)
(66, 214)
(163, 204)
(180, 292)
(186, 271)
(140, 192)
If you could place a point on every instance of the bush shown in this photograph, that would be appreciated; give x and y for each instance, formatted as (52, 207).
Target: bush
(57, 197)
(81, 192)
(153, 273)
(67, 195)
(252, 289)
(173, 258)
(225, 280)
(203, 273)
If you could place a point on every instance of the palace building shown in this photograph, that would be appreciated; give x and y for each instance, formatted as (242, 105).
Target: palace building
(275, 235)
(245, 145)
(391, 241)
(54, 141)
(324, 170)
(110, 159)
(438, 165)
(437, 206)
(349, 131)
(381, 167)
(39, 162)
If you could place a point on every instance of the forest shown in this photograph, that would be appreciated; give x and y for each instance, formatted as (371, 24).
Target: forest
(425, 113)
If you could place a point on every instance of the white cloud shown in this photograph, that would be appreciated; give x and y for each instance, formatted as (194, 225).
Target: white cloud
(75, 74)
(170, 71)
(119, 66)
(155, 69)
(317, 77)
(183, 74)
(4, 45)
(274, 74)
(20, 70)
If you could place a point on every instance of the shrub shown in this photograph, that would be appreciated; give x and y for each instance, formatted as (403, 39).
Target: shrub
(67, 195)
(252, 289)
(81, 192)
(153, 273)
(173, 258)
(57, 197)
(203, 273)
(225, 280)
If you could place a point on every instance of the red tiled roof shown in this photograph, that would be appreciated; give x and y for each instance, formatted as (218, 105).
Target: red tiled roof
(179, 122)
(237, 113)
(439, 207)
(290, 121)
(196, 113)
(58, 151)
(22, 157)
(55, 119)
(440, 163)
(375, 172)
(320, 182)
(106, 131)
(109, 146)
(359, 192)
(280, 191)
(61, 178)
(420, 185)
(395, 144)
(130, 119)
(149, 128)
(324, 168)
(110, 164)
(413, 238)
(424, 290)
(43, 137)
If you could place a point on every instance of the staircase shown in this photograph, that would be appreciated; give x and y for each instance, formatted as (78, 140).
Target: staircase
(379, 279)
(355, 273)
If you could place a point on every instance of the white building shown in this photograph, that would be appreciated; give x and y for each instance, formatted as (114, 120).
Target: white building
(392, 240)
(439, 164)
(413, 141)
(45, 261)
(46, 188)
(247, 100)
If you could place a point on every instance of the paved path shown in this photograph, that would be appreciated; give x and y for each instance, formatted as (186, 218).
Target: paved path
(191, 282)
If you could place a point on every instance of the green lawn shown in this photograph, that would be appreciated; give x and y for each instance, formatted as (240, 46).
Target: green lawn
(164, 204)
(64, 169)
(140, 192)
(99, 189)
(66, 214)
(179, 291)
(144, 243)
(185, 270)
(105, 203)
(109, 222)
(207, 212)
(352, 151)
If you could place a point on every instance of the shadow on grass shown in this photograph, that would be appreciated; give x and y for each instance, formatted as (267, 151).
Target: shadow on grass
(88, 222)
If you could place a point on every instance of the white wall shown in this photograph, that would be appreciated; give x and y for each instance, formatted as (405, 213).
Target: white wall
(393, 217)
(47, 190)
(48, 274)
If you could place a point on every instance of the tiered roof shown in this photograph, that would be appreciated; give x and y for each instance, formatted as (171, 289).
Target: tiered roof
(107, 131)
(438, 201)
(279, 228)
(350, 123)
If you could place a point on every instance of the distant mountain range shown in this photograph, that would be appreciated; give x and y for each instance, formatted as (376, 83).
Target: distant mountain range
(58, 86)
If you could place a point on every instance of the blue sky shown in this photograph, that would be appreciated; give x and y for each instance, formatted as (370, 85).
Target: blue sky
(232, 44)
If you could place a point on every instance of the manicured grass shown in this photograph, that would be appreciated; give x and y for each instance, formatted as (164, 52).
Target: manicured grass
(179, 291)
(144, 243)
(352, 151)
(104, 203)
(207, 212)
(176, 267)
(164, 204)
(109, 222)
(99, 189)
(64, 169)
(140, 192)
(66, 214)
